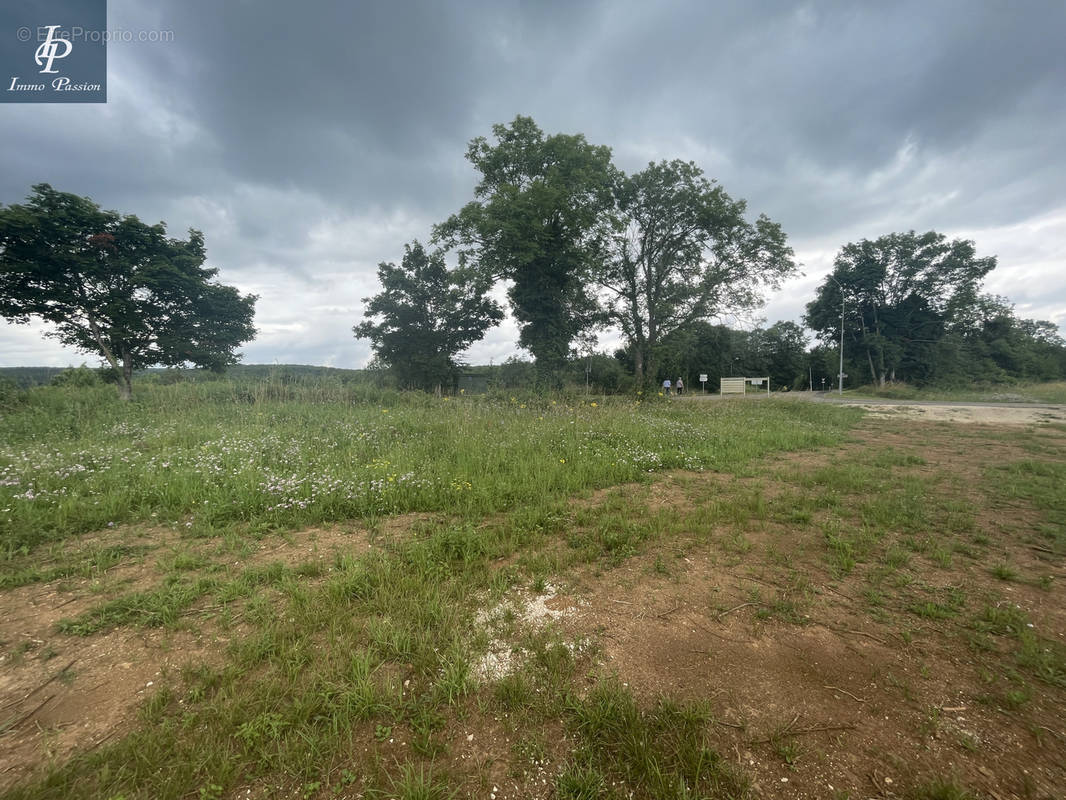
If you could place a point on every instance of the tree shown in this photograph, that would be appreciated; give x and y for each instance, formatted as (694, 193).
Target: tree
(904, 292)
(539, 219)
(117, 287)
(428, 316)
(996, 346)
(784, 349)
(684, 252)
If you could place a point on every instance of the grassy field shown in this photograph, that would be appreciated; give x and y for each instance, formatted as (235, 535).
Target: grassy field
(228, 591)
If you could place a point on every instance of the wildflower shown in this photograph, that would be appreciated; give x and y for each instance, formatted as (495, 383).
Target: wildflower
(660, 394)
(384, 411)
(593, 405)
(522, 406)
(562, 460)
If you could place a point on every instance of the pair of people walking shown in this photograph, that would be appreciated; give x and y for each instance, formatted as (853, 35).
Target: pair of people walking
(679, 386)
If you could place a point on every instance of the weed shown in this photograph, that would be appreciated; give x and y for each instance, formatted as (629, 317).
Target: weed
(580, 782)
(1004, 572)
(657, 750)
(513, 692)
(419, 784)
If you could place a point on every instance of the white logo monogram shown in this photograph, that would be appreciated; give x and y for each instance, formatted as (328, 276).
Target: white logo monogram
(49, 50)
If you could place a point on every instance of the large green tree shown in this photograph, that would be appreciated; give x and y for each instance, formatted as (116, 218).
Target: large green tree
(426, 315)
(539, 219)
(783, 351)
(993, 345)
(117, 287)
(904, 293)
(683, 251)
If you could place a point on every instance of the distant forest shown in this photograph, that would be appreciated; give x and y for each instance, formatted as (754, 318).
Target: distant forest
(1002, 351)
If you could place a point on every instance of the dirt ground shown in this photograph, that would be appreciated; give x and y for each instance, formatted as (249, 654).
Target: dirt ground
(829, 695)
(973, 414)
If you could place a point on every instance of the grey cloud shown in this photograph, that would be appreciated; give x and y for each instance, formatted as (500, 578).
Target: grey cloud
(310, 141)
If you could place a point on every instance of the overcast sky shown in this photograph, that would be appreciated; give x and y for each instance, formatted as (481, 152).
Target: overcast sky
(309, 141)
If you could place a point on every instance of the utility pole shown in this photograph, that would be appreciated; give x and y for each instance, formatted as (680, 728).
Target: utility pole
(840, 375)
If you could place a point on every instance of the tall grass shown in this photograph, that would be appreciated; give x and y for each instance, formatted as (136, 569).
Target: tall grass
(206, 457)
(325, 673)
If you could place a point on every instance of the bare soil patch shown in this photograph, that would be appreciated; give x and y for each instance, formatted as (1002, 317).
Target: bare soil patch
(61, 693)
(828, 696)
(981, 415)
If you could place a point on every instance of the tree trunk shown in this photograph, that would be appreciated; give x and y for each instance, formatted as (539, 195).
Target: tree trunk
(125, 379)
(652, 369)
(638, 365)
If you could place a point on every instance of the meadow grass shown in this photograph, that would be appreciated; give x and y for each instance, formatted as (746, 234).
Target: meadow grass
(330, 666)
(377, 648)
(203, 460)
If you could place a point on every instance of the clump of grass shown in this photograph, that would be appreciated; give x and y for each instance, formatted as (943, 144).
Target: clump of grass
(162, 606)
(418, 783)
(941, 789)
(655, 750)
(1004, 572)
(582, 781)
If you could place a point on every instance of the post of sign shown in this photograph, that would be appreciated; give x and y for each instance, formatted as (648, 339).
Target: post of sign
(703, 381)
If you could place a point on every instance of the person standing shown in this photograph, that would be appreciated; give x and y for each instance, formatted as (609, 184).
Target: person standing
(666, 387)
(680, 386)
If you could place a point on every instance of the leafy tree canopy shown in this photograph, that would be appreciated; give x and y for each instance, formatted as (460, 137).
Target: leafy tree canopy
(116, 287)
(684, 252)
(539, 220)
(428, 315)
(903, 293)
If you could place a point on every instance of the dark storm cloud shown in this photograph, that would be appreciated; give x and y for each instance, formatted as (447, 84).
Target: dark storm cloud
(309, 141)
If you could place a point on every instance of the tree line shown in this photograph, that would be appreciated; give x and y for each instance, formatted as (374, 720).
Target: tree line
(580, 246)
(659, 254)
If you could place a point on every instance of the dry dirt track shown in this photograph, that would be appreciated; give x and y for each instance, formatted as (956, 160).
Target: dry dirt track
(930, 410)
(981, 413)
